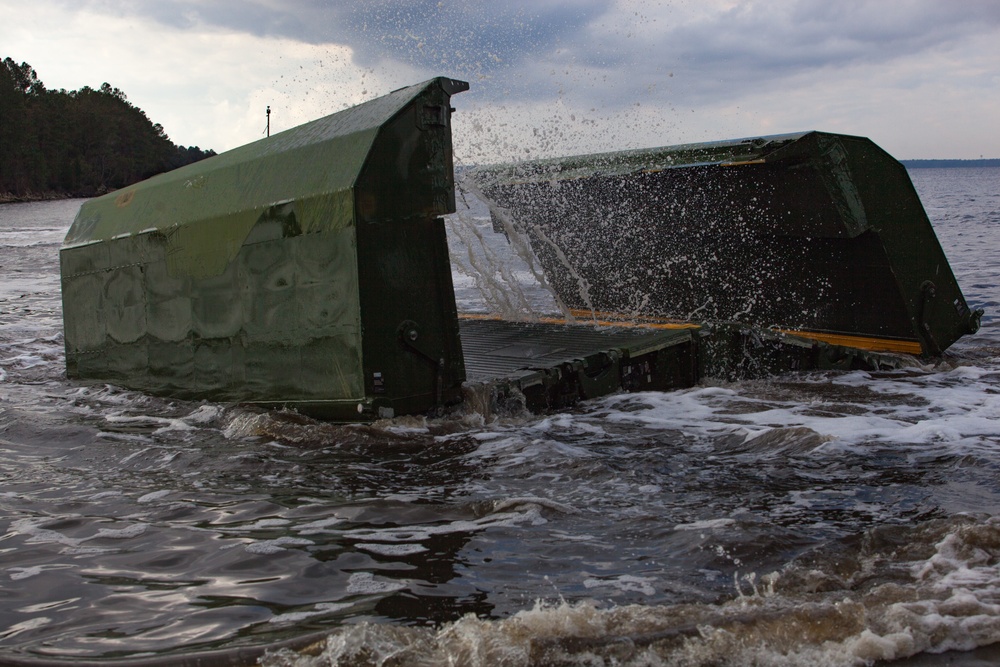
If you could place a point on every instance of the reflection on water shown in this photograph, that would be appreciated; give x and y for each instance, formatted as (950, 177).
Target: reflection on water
(827, 518)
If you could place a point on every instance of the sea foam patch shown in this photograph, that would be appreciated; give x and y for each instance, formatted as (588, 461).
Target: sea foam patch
(953, 408)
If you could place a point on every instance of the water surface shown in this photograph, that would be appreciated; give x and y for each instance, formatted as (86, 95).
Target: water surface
(821, 518)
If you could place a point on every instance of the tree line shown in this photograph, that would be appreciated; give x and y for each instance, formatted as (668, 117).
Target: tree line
(77, 143)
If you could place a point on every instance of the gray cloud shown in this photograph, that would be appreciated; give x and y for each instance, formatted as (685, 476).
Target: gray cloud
(597, 52)
(470, 36)
(756, 46)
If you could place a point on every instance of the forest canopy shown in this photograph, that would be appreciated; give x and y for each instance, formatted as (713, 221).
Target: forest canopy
(77, 143)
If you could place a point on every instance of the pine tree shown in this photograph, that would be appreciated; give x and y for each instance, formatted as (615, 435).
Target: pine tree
(77, 143)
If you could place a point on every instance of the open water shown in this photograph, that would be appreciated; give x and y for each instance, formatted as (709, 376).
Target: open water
(820, 518)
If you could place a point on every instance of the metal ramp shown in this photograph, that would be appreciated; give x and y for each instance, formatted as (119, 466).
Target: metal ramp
(553, 363)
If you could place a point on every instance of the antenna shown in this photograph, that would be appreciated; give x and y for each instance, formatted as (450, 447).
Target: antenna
(268, 120)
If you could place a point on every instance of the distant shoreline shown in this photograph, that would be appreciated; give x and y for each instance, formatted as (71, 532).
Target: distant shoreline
(950, 164)
(9, 198)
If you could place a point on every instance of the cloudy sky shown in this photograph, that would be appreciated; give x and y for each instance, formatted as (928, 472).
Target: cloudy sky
(920, 77)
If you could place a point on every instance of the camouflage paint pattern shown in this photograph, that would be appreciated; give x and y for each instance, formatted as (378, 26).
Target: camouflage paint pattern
(308, 269)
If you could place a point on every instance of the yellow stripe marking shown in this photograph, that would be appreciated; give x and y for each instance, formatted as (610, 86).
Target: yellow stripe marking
(861, 342)
(869, 343)
(740, 164)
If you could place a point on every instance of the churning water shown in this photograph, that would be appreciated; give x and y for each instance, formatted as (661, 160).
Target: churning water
(818, 518)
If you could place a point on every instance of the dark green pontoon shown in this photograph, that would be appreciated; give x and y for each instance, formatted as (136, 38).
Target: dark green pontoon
(816, 233)
(310, 269)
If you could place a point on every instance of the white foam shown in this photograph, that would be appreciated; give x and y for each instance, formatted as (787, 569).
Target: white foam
(392, 549)
(17, 573)
(154, 495)
(955, 410)
(706, 524)
(268, 547)
(259, 525)
(199, 418)
(25, 361)
(33, 528)
(365, 583)
(122, 533)
(318, 527)
(244, 425)
(204, 415)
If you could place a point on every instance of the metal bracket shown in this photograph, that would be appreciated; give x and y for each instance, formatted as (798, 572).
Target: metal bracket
(410, 336)
(928, 291)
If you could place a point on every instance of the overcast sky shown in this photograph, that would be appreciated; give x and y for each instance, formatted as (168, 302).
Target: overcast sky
(919, 77)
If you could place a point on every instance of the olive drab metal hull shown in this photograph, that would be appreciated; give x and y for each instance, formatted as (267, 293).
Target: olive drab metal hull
(816, 233)
(310, 269)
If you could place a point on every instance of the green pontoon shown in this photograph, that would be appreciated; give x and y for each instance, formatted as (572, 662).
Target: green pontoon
(310, 270)
(816, 233)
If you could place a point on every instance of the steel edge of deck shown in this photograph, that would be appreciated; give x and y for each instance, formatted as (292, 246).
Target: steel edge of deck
(552, 363)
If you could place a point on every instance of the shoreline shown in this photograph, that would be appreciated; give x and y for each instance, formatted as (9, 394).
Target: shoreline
(11, 198)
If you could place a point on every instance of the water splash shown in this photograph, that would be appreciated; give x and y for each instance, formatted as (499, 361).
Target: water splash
(513, 286)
